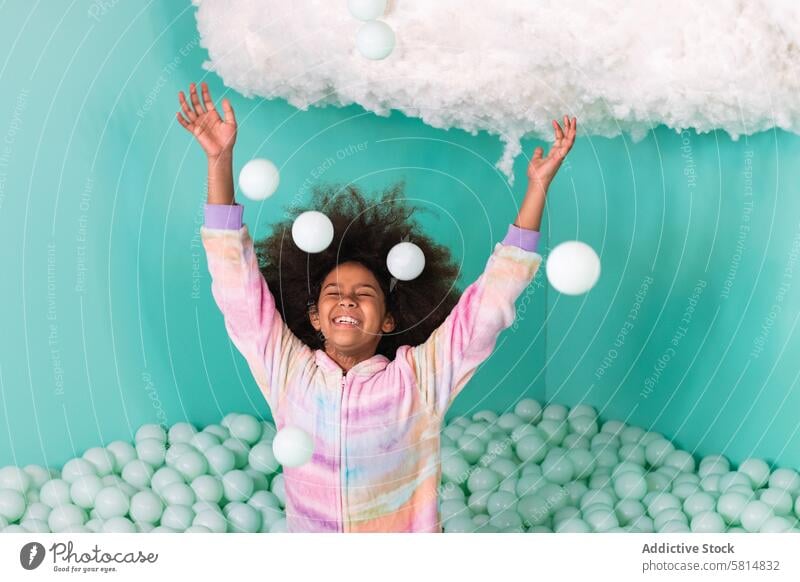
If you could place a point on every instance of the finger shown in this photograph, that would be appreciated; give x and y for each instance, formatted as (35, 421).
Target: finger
(207, 101)
(185, 107)
(198, 109)
(537, 153)
(559, 133)
(183, 121)
(228, 110)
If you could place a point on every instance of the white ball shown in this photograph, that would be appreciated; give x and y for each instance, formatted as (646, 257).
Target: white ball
(312, 231)
(259, 179)
(405, 261)
(573, 267)
(375, 40)
(292, 447)
(366, 9)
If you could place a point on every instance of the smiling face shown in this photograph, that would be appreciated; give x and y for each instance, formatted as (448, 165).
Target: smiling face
(351, 312)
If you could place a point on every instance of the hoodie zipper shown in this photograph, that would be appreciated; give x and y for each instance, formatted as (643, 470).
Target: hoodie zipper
(341, 453)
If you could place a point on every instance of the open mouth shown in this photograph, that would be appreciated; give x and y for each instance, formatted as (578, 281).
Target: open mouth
(346, 321)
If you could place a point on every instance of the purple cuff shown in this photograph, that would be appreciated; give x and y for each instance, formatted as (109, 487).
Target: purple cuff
(226, 216)
(524, 238)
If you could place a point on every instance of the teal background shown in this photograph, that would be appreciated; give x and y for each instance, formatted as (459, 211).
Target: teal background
(107, 317)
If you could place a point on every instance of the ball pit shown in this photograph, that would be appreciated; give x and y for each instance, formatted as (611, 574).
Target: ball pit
(535, 469)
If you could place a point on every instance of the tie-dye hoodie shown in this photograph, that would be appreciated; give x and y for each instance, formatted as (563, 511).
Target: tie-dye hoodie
(376, 429)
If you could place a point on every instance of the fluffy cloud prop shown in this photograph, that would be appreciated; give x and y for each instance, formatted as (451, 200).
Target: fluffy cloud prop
(510, 66)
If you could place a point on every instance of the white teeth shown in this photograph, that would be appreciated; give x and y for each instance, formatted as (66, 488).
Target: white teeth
(345, 319)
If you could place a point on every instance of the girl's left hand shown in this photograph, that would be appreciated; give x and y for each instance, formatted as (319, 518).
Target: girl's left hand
(541, 170)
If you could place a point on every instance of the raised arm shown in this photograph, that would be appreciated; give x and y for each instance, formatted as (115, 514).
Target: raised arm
(240, 291)
(449, 358)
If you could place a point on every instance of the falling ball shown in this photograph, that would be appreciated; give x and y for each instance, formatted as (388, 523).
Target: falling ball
(259, 179)
(292, 447)
(375, 40)
(405, 261)
(573, 267)
(366, 9)
(312, 231)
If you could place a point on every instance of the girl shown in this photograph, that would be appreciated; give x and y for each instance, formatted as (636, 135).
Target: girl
(367, 366)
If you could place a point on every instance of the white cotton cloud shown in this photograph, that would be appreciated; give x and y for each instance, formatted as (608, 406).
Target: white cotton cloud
(510, 66)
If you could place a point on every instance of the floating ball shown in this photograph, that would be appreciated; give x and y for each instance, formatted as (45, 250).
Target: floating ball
(375, 40)
(366, 9)
(405, 261)
(258, 179)
(312, 231)
(573, 267)
(292, 447)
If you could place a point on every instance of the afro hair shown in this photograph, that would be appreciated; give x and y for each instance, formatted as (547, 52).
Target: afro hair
(364, 232)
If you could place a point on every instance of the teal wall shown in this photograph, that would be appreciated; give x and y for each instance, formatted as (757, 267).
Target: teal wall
(108, 321)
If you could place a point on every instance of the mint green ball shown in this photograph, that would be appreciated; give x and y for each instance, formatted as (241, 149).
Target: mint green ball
(207, 488)
(662, 501)
(178, 494)
(75, 468)
(778, 500)
(177, 450)
(84, 490)
(54, 493)
(707, 522)
(177, 517)
(261, 458)
(501, 501)
(213, 520)
(65, 516)
(566, 513)
(151, 451)
(787, 479)
(277, 487)
(776, 524)
(482, 479)
(240, 451)
(246, 428)
(531, 448)
(15, 478)
(181, 432)
(557, 468)
(111, 502)
(122, 452)
(602, 519)
(528, 410)
(529, 484)
(507, 519)
(713, 465)
(218, 431)
(667, 516)
(459, 524)
(151, 431)
(35, 526)
(478, 501)
(699, 502)
(163, 477)
(146, 507)
(632, 453)
(118, 525)
(138, 473)
(754, 515)
(12, 504)
(534, 510)
(730, 506)
(104, 461)
(628, 510)
(731, 479)
(674, 527)
(680, 460)
(583, 426)
(471, 447)
(554, 430)
(202, 441)
(574, 525)
(237, 485)
(36, 510)
(630, 485)
(757, 472)
(710, 483)
(191, 465)
(657, 452)
(220, 460)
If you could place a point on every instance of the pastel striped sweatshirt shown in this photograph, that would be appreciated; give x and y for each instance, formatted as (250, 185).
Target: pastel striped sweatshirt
(376, 429)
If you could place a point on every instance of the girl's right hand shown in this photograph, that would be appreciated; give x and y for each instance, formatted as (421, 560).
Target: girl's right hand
(215, 135)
